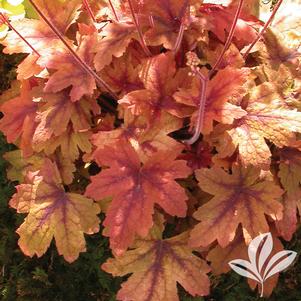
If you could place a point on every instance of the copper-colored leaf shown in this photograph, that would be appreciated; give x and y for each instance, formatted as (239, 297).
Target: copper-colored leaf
(220, 18)
(226, 87)
(167, 18)
(70, 143)
(19, 115)
(265, 119)
(160, 81)
(116, 38)
(135, 189)
(146, 140)
(290, 177)
(157, 266)
(37, 33)
(239, 198)
(69, 74)
(53, 213)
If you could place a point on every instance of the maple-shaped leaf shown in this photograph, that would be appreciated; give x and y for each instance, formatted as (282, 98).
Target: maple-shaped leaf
(60, 122)
(135, 189)
(53, 213)
(239, 198)
(226, 87)
(115, 39)
(167, 18)
(36, 33)
(290, 177)
(19, 115)
(43, 42)
(161, 81)
(67, 71)
(265, 119)
(52, 117)
(157, 266)
(219, 19)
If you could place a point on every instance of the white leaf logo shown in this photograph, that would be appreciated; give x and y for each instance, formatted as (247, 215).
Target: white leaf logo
(259, 268)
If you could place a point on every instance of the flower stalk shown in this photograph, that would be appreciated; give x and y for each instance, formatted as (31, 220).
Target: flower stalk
(113, 10)
(142, 41)
(205, 79)
(89, 10)
(267, 24)
(229, 38)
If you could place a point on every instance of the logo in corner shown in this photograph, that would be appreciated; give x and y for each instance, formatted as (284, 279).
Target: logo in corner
(261, 267)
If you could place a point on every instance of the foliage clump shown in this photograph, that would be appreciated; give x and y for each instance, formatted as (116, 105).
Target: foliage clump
(178, 120)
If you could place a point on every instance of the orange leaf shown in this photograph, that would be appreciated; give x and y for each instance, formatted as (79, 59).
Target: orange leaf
(265, 119)
(157, 266)
(135, 189)
(160, 81)
(220, 18)
(274, 52)
(68, 73)
(53, 213)
(239, 198)
(146, 140)
(71, 142)
(38, 33)
(116, 38)
(122, 74)
(168, 15)
(290, 177)
(19, 115)
(226, 87)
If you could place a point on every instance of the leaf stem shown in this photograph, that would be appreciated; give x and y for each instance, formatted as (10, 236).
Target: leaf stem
(82, 63)
(89, 10)
(113, 10)
(267, 24)
(179, 38)
(8, 23)
(229, 38)
(181, 31)
(206, 79)
(142, 41)
(201, 112)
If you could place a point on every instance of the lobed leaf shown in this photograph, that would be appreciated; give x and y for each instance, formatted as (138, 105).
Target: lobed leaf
(156, 267)
(135, 189)
(239, 198)
(53, 213)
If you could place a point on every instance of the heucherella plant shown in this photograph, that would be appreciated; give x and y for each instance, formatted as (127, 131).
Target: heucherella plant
(179, 120)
